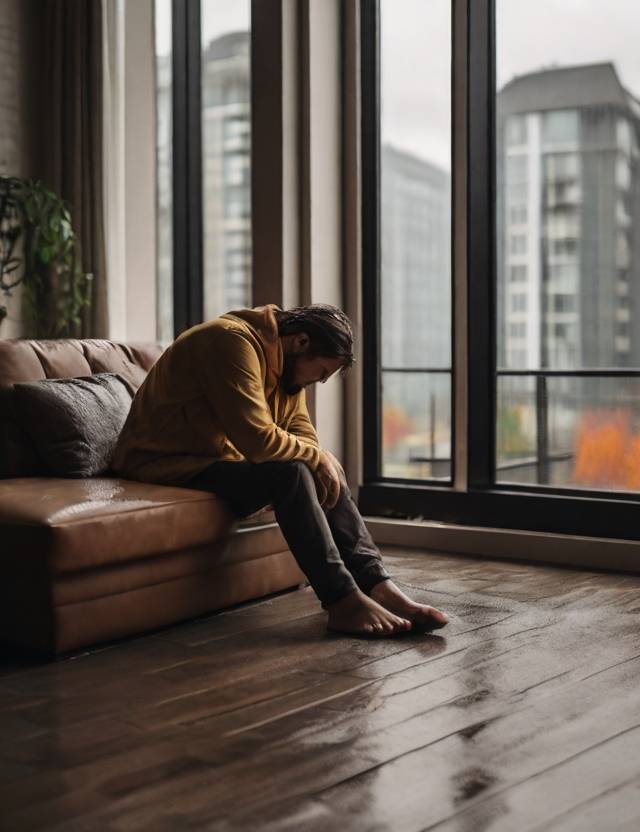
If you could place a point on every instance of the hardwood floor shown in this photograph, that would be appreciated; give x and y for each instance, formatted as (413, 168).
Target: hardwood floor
(522, 714)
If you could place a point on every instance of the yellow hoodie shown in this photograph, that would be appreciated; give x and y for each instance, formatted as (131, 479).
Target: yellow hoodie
(214, 395)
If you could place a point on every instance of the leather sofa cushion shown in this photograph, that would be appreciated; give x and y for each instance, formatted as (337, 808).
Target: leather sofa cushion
(74, 422)
(82, 524)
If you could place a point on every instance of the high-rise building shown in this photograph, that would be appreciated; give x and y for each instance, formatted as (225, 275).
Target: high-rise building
(415, 210)
(568, 208)
(226, 149)
(415, 207)
(226, 171)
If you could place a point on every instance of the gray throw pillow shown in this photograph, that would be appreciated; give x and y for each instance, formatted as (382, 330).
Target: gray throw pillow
(74, 423)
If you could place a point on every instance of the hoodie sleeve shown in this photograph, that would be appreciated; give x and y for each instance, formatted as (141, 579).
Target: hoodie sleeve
(299, 422)
(231, 378)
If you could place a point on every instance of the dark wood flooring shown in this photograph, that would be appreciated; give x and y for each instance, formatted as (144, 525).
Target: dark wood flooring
(522, 714)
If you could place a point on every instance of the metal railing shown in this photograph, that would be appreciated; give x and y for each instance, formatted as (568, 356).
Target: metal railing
(543, 457)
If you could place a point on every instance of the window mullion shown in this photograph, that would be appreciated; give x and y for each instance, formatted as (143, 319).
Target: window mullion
(187, 165)
(480, 252)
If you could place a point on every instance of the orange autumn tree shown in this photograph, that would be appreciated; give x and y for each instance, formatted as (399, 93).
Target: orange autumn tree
(607, 450)
(396, 425)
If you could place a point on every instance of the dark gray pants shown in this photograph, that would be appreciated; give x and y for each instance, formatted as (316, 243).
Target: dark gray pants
(332, 546)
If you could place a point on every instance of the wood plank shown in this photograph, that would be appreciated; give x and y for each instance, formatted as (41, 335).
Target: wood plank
(258, 717)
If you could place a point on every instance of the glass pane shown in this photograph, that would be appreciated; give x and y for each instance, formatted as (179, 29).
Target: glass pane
(226, 152)
(416, 425)
(164, 185)
(415, 207)
(567, 206)
(591, 425)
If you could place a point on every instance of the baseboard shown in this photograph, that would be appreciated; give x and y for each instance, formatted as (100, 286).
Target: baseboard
(540, 547)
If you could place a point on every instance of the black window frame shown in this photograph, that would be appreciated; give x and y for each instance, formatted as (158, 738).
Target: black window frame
(484, 503)
(188, 293)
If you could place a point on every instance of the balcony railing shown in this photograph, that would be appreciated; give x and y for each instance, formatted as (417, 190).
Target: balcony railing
(543, 457)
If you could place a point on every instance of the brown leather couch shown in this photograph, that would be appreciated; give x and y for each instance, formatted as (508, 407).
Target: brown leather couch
(88, 560)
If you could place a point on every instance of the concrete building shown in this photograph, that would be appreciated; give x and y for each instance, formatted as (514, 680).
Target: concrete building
(415, 208)
(416, 261)
(226, 151)
(568, 204)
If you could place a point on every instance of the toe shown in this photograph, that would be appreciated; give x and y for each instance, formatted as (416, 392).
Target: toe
(402, 624)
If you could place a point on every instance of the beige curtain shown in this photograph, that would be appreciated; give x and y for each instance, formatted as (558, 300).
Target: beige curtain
(72, 135)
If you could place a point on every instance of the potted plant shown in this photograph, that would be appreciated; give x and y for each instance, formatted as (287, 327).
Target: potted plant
(36, 234)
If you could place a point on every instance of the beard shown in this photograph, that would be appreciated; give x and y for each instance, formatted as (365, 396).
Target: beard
(289, 364)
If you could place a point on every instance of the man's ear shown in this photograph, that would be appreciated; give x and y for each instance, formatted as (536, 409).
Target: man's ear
(303, 341)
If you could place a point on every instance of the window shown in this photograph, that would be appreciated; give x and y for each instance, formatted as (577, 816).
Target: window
(519, 303)
(518, 244)
(164, 177)
(518, 214)
(518, 330)
(560, 126)
(415, 240)
(518, 274)
(516, 130)
(563, 247)
(204, 138)
(564, 303)
(226, 154)
(582, 236)
(561, 166)
(549, 182)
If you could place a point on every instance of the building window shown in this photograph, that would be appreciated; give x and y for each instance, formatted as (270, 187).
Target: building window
(564, 303)
(516, 130)
(518, 330)
(518, 274)
(518, 214)
(561, 126)
(519, 302)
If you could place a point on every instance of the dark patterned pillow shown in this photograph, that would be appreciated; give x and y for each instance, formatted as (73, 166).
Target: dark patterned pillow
(74, 423)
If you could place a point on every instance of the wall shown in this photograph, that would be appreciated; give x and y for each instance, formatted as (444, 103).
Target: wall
(322, 190)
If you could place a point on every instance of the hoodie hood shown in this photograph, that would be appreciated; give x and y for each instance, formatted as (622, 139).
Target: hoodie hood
(262, 320)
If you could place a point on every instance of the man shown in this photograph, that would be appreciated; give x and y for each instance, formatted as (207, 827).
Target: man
(223, 409)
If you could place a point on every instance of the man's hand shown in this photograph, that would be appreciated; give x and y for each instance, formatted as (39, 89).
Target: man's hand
(337, 464)
(327, 480)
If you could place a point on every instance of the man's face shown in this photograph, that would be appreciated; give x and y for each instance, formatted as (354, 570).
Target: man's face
(300, 371)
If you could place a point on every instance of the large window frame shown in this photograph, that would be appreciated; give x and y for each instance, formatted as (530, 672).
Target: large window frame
(473, 498)
(188, 295)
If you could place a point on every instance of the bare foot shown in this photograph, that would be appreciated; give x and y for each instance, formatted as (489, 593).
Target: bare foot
(392, 598)
(357, 613)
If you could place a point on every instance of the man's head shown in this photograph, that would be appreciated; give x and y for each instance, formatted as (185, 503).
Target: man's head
(317, 341)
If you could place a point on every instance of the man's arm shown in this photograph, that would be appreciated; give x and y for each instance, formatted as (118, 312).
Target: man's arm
(229, 370)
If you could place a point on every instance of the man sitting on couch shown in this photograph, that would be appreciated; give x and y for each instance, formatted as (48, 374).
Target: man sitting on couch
(224, 410)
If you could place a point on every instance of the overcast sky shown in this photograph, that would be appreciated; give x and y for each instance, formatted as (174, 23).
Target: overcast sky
(416, 57)
(416, 53)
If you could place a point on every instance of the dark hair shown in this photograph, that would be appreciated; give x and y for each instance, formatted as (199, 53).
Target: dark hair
(329, 330)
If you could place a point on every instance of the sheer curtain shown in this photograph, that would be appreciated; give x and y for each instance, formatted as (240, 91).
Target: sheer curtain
(113, 53)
